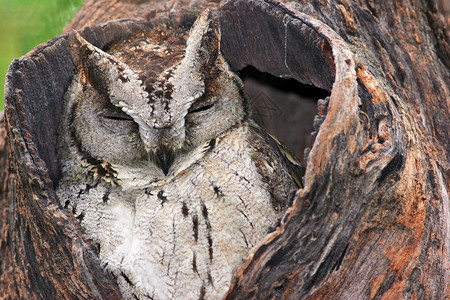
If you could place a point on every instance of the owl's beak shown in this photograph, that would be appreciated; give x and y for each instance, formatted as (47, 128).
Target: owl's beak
(165, 159)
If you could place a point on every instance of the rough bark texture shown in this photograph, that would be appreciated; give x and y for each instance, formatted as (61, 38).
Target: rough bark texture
(373, 220)
(100, 11)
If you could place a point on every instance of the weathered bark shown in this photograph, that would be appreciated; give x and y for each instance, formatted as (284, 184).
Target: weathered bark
(100, 11)
(43, 252)
(373, 220)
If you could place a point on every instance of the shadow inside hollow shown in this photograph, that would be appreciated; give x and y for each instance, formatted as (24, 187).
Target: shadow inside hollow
(285, 108)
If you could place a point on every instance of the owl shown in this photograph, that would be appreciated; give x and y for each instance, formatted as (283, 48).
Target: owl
(162, 164)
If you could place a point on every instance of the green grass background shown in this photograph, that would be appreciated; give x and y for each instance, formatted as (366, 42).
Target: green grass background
(25, 24)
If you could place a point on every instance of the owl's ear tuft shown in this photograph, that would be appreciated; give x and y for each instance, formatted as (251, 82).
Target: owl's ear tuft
(97, 67)
(204, 40)
(79, 48)
(201, 58)
(88, 60)
(106, 74)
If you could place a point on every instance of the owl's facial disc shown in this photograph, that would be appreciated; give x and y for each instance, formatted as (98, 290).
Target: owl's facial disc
(194, 99)
(165, 139)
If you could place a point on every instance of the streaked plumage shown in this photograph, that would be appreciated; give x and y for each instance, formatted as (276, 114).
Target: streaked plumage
(163, 166)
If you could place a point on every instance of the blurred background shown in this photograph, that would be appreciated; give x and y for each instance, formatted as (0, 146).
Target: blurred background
(27, 23)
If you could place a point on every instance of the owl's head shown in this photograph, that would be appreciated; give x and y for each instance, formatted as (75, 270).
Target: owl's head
(147, 99)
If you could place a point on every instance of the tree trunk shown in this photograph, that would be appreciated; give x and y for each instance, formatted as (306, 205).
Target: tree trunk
(373, 218)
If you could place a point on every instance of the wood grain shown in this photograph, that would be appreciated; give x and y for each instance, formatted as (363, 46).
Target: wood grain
(373, 220)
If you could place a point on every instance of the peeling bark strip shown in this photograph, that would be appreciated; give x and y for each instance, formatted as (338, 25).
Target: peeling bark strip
(373, 219)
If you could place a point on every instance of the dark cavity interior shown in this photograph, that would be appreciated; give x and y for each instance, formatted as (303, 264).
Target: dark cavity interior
(285, 108)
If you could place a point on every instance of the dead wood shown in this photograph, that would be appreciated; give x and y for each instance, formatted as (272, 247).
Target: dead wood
(373, 220)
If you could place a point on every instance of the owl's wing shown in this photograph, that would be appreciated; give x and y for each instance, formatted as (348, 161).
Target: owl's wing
(295, 167)
(279, 168)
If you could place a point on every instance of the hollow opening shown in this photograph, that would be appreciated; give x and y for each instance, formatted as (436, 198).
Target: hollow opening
(285, 108)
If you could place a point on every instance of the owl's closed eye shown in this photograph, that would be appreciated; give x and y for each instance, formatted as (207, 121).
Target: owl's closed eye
(163, 165)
